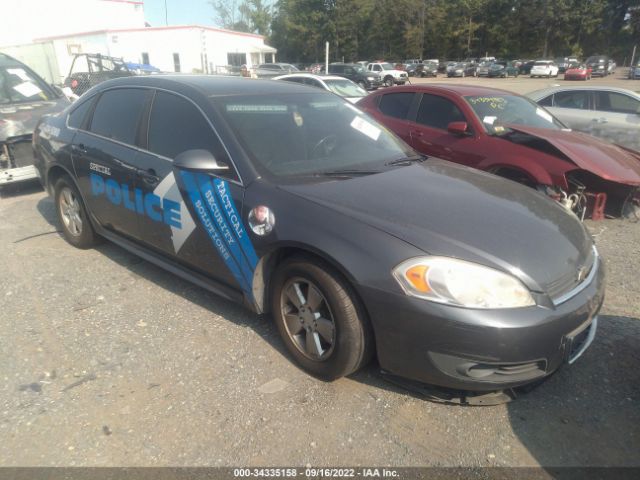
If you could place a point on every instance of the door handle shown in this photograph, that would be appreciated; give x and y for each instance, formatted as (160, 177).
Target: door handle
(80, 148)
(149, 177)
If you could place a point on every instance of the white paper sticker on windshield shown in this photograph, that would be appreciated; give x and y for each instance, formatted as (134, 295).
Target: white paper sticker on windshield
(545, 115)
(489, 120)
(19, 72)
(27, 89)
(366, 128)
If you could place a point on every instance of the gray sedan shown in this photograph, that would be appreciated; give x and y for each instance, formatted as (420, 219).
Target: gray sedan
(606, 112)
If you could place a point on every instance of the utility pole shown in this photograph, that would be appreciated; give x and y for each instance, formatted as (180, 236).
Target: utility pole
(326, 58)
(166, 17)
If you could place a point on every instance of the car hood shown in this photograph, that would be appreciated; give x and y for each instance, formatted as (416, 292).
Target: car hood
(605, 159)
(450, 210)
(21, 118)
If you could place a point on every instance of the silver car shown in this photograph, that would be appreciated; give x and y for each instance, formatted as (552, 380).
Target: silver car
(606, 112)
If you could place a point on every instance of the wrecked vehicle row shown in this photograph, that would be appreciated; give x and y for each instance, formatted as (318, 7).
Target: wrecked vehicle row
(509, 135)
(24, 98)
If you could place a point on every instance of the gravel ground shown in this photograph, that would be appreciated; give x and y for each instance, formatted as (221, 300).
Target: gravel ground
(107, 360)
(524, 84)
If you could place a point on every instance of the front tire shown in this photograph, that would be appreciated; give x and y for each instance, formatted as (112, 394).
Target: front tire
(72, 215)
(362, 84)
(388, 81)
(319, 319)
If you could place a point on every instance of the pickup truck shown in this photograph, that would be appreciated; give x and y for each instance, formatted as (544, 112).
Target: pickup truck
(390, 76)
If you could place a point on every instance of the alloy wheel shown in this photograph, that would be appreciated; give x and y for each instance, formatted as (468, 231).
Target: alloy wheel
(69, 206)
(308, 319)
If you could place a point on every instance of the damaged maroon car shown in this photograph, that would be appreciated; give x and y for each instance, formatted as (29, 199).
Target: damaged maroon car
(508, 135)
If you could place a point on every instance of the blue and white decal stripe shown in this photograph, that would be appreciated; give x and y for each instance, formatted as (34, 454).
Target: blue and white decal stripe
(233, 217)
(206, 189)
(202, 210)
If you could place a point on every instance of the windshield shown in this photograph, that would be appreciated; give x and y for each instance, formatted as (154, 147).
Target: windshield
(542, 64)
(387, 66)
(360, 69)
(308, 134)
(18, 85)
(499, 110)
(345, 88)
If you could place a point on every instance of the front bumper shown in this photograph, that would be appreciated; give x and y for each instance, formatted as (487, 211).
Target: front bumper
(16, 160)
(480, 350)
(19, 174)
(373, 84)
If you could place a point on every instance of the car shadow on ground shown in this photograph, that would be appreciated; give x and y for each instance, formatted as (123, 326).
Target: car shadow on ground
(586, 414)
(18, 189)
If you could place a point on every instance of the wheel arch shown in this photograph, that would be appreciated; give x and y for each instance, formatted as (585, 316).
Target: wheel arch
(536, 175)
(54, 173)
(268, 264)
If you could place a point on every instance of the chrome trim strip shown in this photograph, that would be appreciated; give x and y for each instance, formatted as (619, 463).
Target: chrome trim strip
(592, 334)
(587, 281)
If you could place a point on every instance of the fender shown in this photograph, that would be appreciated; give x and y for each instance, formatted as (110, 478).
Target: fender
(535, 171)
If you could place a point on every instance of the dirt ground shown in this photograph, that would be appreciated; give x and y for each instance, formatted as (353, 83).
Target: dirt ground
(107, 360)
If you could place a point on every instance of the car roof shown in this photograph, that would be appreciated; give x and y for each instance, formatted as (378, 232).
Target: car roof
(208, 85)
(309, 75)
(462, 90)
(543, 92)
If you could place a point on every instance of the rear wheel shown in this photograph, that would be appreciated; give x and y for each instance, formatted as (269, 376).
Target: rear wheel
(76, 227)
(319, 319)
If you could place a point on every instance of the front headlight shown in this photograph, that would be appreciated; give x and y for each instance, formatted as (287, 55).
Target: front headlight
(370, 79)
(461, 283)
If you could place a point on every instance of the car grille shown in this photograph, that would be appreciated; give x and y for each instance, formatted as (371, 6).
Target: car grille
(560, 289)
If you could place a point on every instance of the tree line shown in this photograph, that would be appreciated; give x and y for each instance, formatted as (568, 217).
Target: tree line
(445, 29)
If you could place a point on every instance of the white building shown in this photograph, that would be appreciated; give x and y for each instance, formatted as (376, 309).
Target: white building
(49, 34)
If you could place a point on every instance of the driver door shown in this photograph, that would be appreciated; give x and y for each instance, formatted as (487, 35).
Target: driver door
(618, 116)
(184, 225)
(429, 134)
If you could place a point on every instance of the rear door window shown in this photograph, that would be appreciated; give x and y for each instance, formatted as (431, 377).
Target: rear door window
(79, 114)
(617, 103)
(572, 99)
(396, 104)
(438, 112)
(118, 112)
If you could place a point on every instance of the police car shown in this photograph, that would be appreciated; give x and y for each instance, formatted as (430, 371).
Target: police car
(294, 202)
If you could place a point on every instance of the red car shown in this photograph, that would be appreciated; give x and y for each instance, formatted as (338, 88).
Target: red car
(509, 135)
(578, 72)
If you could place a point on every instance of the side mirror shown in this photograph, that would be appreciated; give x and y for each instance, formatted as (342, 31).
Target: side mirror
(199, 161)
(458, 128)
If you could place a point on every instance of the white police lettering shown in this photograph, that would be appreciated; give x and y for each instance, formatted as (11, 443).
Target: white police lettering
(217, 214)
(233, 218)
(100, 168)
(49, 131)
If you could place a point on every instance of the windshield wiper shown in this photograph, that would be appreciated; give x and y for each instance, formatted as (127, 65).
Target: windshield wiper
(346, 172)
(407, 160)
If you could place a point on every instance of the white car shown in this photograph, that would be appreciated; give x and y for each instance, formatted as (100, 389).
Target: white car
(544, 68)
(339, 85)
(389, 74)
